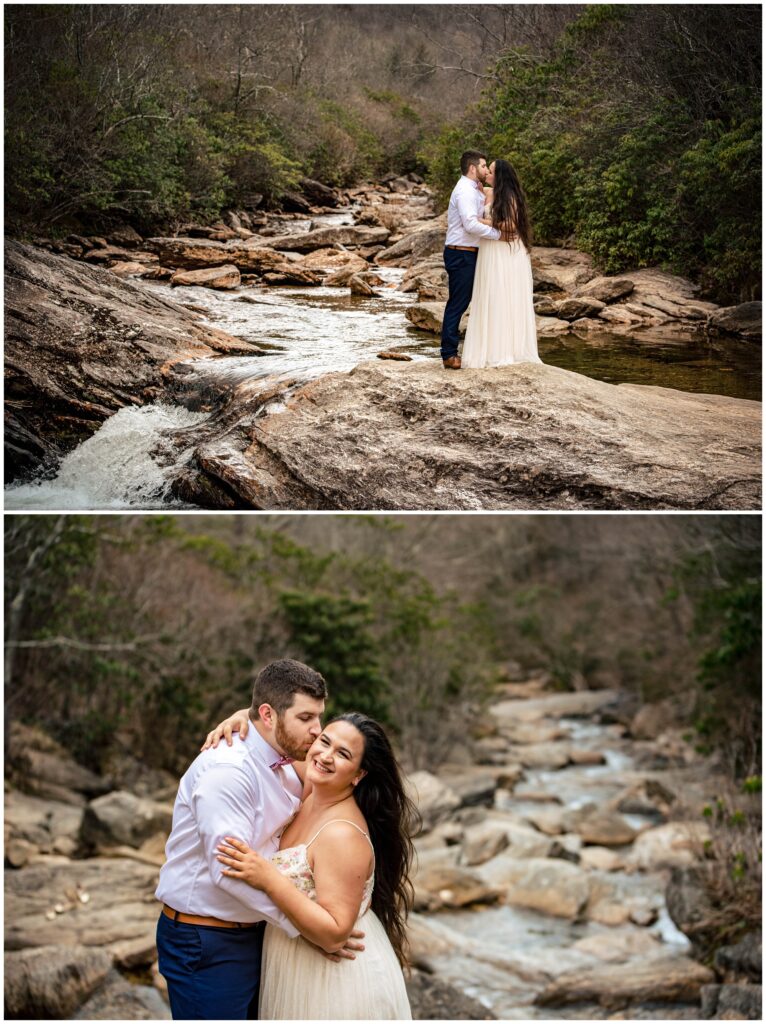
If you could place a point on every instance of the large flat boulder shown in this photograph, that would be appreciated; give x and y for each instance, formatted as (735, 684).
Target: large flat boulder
(321, 238)
(661, 979)
(81, 343)
(547, 885)
(44, 903)
(411, 436)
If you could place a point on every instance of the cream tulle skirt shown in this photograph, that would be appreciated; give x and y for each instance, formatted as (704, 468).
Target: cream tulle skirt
(501, 322)
(298, 983)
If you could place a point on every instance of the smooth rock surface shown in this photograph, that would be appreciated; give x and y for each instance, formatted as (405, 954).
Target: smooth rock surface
(124, 818)
(675, 979)
(52, 981)
(522, 437)
(80, 344)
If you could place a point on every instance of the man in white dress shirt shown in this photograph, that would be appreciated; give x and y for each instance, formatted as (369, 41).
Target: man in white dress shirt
(466, 207)
(210, 931)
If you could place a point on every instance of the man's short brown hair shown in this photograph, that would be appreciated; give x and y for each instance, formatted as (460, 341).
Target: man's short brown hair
(278, 683)
(471, 158)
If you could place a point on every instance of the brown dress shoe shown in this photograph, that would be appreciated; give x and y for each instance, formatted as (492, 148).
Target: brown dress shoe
(453, 363)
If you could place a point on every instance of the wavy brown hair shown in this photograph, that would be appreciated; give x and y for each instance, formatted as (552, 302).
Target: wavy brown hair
(509, 204)
(392, 819)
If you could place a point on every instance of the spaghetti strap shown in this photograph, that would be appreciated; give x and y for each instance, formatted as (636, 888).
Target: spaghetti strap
(347, 822)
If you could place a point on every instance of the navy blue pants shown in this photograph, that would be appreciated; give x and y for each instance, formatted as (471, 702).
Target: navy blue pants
(461, 269)
(212, 973)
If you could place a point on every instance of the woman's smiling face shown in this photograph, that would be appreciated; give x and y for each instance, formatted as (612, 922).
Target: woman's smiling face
(335, 758)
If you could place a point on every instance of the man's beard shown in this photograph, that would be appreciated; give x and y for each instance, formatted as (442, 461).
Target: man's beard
(291, 746)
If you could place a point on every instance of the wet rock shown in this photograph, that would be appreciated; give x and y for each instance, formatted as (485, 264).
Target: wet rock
(428, 316)
(732, 1002)
(586, 757)
(649, 798)
(120, 903)
(620, 316)
(121, 818)
(431, 998)
(294, 202)
(334, 261)
(606, 289)
(600, 858)
(290, 273)
(45, 768)
(414, 247)
(124, 269)
(664, 979)
(401, 356)
(567, 846)
(317, 193)
(619, 947)
(452, 887)
(582, 704)
(321, 238)
(675, 844)
(521, 732)
(543, 755)
(688, 901)
(474, 786)
(601, 828)
(549, 820)
(118, 999)
(220, 278)
(80, 344)
(126, 236)
(549, 326)
(435, 800)
(52, 981)
(41, 822)
(545, 306)
(744, 958)
(573, 309)
(198, 254)
(541, 437)
(359, 286)
(428, 278)
(482, 843)
(745, 319)
(524, 842)
(560, 269)
(651, 720)
(553, 887)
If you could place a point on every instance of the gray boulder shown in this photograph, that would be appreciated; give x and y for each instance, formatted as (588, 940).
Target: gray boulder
(574, 309)
(606, 289)
(123, 819)
(431, 998)
(52, 981)
(118, 999)
(744, 958)
(732, 1002)
(745, 319)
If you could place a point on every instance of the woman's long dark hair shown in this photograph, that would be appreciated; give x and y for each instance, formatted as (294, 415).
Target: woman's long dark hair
(509, 204)
(391, 818)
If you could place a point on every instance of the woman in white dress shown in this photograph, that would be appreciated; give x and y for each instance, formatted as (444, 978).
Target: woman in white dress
(501, 323)
(342, 865)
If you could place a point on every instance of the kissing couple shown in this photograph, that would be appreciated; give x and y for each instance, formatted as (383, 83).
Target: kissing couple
(488, 267)
(290, 843)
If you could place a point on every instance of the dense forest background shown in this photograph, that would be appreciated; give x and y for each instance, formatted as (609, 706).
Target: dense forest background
(135, 633)
(635, 128)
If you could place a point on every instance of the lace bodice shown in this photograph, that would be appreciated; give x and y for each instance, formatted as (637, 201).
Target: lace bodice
(293, 862)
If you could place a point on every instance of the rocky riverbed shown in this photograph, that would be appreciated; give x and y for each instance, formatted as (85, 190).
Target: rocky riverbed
(98, 326)
(555, 874)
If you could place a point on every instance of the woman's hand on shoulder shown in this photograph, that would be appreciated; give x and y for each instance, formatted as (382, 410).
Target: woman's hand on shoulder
(238, 722)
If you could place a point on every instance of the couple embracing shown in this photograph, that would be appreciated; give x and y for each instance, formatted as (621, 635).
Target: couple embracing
(290, 844)
(487, 261)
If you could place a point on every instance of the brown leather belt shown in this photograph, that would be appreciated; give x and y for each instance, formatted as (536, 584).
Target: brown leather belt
(209, 922)
(463, 248)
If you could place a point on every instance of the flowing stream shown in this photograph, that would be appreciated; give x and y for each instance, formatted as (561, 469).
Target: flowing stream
(303, 332)
(505, 953)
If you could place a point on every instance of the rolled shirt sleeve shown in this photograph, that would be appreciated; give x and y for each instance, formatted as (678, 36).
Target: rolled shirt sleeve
(222, 804)
(466, 207)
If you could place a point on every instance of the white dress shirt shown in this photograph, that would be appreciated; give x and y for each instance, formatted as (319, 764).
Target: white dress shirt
(229, 791)
(466, 206)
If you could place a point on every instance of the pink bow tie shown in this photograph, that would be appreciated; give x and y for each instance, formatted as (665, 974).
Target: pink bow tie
(281, 763)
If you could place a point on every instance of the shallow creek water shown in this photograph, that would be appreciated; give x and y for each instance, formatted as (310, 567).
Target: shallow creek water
(505, 952)
(303, 332)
